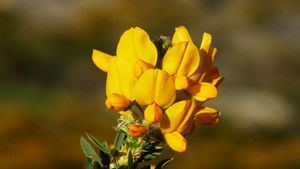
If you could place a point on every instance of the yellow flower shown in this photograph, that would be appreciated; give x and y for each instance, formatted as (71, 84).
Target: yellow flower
(178, 121)
(182, 59)
(154, 88)
(135, 54)
(192, 67)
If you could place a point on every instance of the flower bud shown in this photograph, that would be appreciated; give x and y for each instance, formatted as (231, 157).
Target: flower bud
(137, 130)
(117, 102)
(153, 113)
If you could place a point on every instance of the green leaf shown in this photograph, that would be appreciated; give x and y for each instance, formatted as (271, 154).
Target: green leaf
(89, 152)
(101, 145)
(130, 160)
(89, 163)
(119, 140)
(96, 165)
(164, 162)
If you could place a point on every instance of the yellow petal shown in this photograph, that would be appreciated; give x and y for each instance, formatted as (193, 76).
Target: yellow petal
(101, 59)
(181, 82)
(155, 86)
(140, 67)
(117, 102)
(213, 54)
(207, 53)
(206, 42)
(173, 58)
(120, 78)
(181, 34)
(112, 81)
(153, 113)
(203, 91)
(144, 90)
(188, 119)
(183, 59)
(135, 44)
(165, 92)
(176, 141)
(174, 116)
(207, 115)
(190, 61)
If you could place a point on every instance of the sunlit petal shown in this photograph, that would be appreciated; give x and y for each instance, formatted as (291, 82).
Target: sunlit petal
(135, 44)
(174, 115)
(165, 92)
(144, 90)
(181, 34)
(176, 141)
(203, 91)
(101, 59)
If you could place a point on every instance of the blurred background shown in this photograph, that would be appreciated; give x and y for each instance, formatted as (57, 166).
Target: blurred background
(51, 93)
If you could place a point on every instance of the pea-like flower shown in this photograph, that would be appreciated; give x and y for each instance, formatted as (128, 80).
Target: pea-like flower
(192, 67)
(179, 120)
(135, 54)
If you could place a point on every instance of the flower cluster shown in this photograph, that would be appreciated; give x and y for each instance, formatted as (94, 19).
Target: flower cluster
(167, 81)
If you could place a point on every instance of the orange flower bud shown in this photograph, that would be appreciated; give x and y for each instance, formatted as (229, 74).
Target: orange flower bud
(137, 130)
(117, 102)
(153, 113)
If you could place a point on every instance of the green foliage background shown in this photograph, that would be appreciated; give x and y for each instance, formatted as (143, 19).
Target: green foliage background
(51, 93)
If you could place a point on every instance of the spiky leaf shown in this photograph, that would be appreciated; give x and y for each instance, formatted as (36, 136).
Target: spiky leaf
(89, 152)
(101, 145)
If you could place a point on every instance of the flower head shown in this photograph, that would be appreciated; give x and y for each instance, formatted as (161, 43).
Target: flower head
(182, 73)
